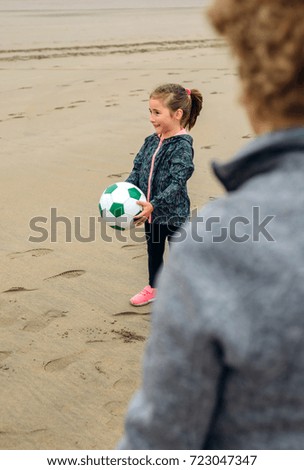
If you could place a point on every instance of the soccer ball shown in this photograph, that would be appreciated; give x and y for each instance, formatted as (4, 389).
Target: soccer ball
(118, 205)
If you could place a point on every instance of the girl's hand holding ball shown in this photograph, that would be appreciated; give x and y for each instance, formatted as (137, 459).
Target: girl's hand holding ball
(144, 215)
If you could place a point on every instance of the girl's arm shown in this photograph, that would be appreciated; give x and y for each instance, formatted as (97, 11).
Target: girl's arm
(134, 175)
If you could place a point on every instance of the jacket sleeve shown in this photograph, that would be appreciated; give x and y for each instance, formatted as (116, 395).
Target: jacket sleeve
(182, 368)
(181, 169)
(134, 175)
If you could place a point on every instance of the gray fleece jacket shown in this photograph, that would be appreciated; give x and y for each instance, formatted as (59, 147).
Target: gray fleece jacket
(224, 365)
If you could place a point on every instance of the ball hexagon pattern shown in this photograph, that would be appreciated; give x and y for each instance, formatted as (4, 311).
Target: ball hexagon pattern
(118, 205)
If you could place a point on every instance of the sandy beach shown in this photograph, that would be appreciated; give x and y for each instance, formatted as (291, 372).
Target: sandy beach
(74, 112)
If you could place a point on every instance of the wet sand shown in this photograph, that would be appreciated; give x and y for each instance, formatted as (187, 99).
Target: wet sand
(74, 112)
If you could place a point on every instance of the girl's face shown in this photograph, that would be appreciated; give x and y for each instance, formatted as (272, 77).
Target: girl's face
(166, 123)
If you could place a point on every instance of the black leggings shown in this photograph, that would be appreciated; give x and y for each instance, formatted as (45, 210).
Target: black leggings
(156, 235)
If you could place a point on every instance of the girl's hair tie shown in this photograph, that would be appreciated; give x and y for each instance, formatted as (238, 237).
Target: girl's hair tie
(188, 91)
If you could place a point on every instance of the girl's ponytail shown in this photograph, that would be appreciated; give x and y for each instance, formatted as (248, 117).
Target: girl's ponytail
(196, 106)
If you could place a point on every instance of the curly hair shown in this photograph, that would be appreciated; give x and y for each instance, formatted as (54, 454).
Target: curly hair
(267, 37)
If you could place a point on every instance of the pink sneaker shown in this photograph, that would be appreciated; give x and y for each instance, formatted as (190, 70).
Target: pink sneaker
(144, 297)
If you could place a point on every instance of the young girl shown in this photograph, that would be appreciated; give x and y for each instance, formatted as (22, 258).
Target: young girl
(161, 170)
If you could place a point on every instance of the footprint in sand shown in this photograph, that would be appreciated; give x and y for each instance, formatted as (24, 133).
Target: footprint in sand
(129, 313)
(135, 246)
(34, 325)
(118, 175)
(93, 341)
(139, 256)
(73, 273)
(45, 320)
(248, 136)
(53, 313)
(35, 252)
(99, 367)
(125, 383)
(139, 246)
(115, 408)
(17, 289)
(207, 147)
(60, 363)
(74, 104)
(17, 115)
(111, 104)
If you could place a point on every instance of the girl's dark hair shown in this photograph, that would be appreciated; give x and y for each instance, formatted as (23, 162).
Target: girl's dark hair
(177, 97)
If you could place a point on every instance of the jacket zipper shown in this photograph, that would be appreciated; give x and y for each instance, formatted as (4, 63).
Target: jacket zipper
(150, 176)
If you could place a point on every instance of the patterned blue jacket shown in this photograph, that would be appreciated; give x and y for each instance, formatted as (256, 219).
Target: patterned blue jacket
(173, 166)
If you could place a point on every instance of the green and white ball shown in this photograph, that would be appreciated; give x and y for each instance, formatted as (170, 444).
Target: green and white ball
(118, 205)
